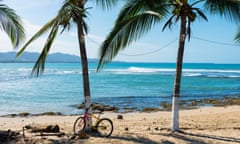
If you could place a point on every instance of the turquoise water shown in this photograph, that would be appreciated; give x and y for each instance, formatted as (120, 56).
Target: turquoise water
(119, 84)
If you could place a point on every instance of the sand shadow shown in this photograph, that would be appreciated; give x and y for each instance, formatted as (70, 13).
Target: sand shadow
(213, 137)
(138, 139)
(198, 138)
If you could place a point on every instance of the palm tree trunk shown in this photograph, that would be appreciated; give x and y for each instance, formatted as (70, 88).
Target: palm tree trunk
(177, 83)
(84, 62)
(85, 76)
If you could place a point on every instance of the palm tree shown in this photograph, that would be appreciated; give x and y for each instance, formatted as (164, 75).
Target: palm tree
(138, 17)
(72, 11)
(11, 23)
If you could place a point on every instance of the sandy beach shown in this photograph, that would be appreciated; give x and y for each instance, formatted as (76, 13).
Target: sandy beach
(220, 125)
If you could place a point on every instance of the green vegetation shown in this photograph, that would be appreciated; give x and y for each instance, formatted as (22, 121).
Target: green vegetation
(11, 23)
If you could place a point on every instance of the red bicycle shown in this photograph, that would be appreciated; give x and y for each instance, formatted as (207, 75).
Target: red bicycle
(103, 126)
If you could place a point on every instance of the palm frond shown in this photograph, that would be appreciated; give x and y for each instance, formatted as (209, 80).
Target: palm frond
(125, 33)
(237, 36)
(188, 30)
(169, 23)
(136, 7)
(230, 9)
(106, 4)
(200, 13)
(40, 63)
(11, 23)
(43, 30)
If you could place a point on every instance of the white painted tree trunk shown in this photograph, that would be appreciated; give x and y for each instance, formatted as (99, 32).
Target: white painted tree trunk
(175, 114)
(88, 105)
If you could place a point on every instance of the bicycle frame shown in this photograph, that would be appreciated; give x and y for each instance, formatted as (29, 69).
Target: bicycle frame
(90, 116)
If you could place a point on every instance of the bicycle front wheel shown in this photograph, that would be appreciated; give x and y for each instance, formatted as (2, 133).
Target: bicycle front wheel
(79, 125)
(104, 127)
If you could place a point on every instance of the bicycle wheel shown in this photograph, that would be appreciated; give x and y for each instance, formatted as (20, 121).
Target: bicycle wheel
(104, 127)
(79, 125)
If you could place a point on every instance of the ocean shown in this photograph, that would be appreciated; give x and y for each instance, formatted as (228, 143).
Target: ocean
(120, 84)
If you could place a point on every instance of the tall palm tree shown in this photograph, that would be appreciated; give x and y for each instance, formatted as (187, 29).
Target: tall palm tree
(71, 12)
(138, 17)
(11, 23)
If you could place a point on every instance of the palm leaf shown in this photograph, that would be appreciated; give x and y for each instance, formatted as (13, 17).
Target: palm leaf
(40, 63)
(169, 23)
(106, 4)
(237, 36)
(43, 30)
(230, 9)
(125, 33)
(10, 22)
(136, 7)
(200, 13)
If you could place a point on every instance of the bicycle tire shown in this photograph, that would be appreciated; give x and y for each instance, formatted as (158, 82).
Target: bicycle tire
(104, 127)
(79, 125)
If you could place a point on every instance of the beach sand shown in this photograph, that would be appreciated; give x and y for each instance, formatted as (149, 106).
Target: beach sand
(215, 125)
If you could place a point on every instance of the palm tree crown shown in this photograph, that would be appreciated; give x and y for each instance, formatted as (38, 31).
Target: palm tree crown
(11, 23)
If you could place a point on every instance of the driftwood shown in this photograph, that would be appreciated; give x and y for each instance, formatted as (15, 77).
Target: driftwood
(7, 136)
(47, 129)
(50, 130)
(59, 134)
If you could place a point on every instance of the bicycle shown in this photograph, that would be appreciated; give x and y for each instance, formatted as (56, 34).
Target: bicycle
(103, 126)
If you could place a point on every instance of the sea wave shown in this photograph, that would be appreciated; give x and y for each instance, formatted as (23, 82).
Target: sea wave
(152, 70)
(211, 73)
(130, 70)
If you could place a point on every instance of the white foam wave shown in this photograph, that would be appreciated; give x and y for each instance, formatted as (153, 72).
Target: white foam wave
(132, 70)
(186, 72)
(192, 74)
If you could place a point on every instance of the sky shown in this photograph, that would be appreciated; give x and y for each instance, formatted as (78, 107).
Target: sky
(211, 42)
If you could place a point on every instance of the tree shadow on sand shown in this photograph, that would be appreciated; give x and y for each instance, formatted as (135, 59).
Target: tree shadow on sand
(195, 138)
(138, 139)
(213, 137)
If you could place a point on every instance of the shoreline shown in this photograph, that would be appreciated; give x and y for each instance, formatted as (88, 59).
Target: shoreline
(163, 106)
(202, 125)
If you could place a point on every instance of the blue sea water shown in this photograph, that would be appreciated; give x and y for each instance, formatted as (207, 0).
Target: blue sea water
(119, 84)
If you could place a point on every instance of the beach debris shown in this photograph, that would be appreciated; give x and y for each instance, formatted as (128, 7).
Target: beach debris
(8, 136)
(150, 109)
(49, 113)
(97, 106)
(119, 116)
(47, 129)
(166, 106)
(126, 129)
(24, 114)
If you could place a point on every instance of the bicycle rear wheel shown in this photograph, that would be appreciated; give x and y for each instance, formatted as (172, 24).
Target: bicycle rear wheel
(104, 127)
(79, 125)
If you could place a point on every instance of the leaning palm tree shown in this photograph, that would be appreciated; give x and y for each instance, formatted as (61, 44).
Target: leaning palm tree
(11, 23)
(71, 12)
(138, 17)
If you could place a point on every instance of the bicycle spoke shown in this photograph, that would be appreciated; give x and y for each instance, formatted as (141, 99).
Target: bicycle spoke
(79, 125)
(104, 127)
